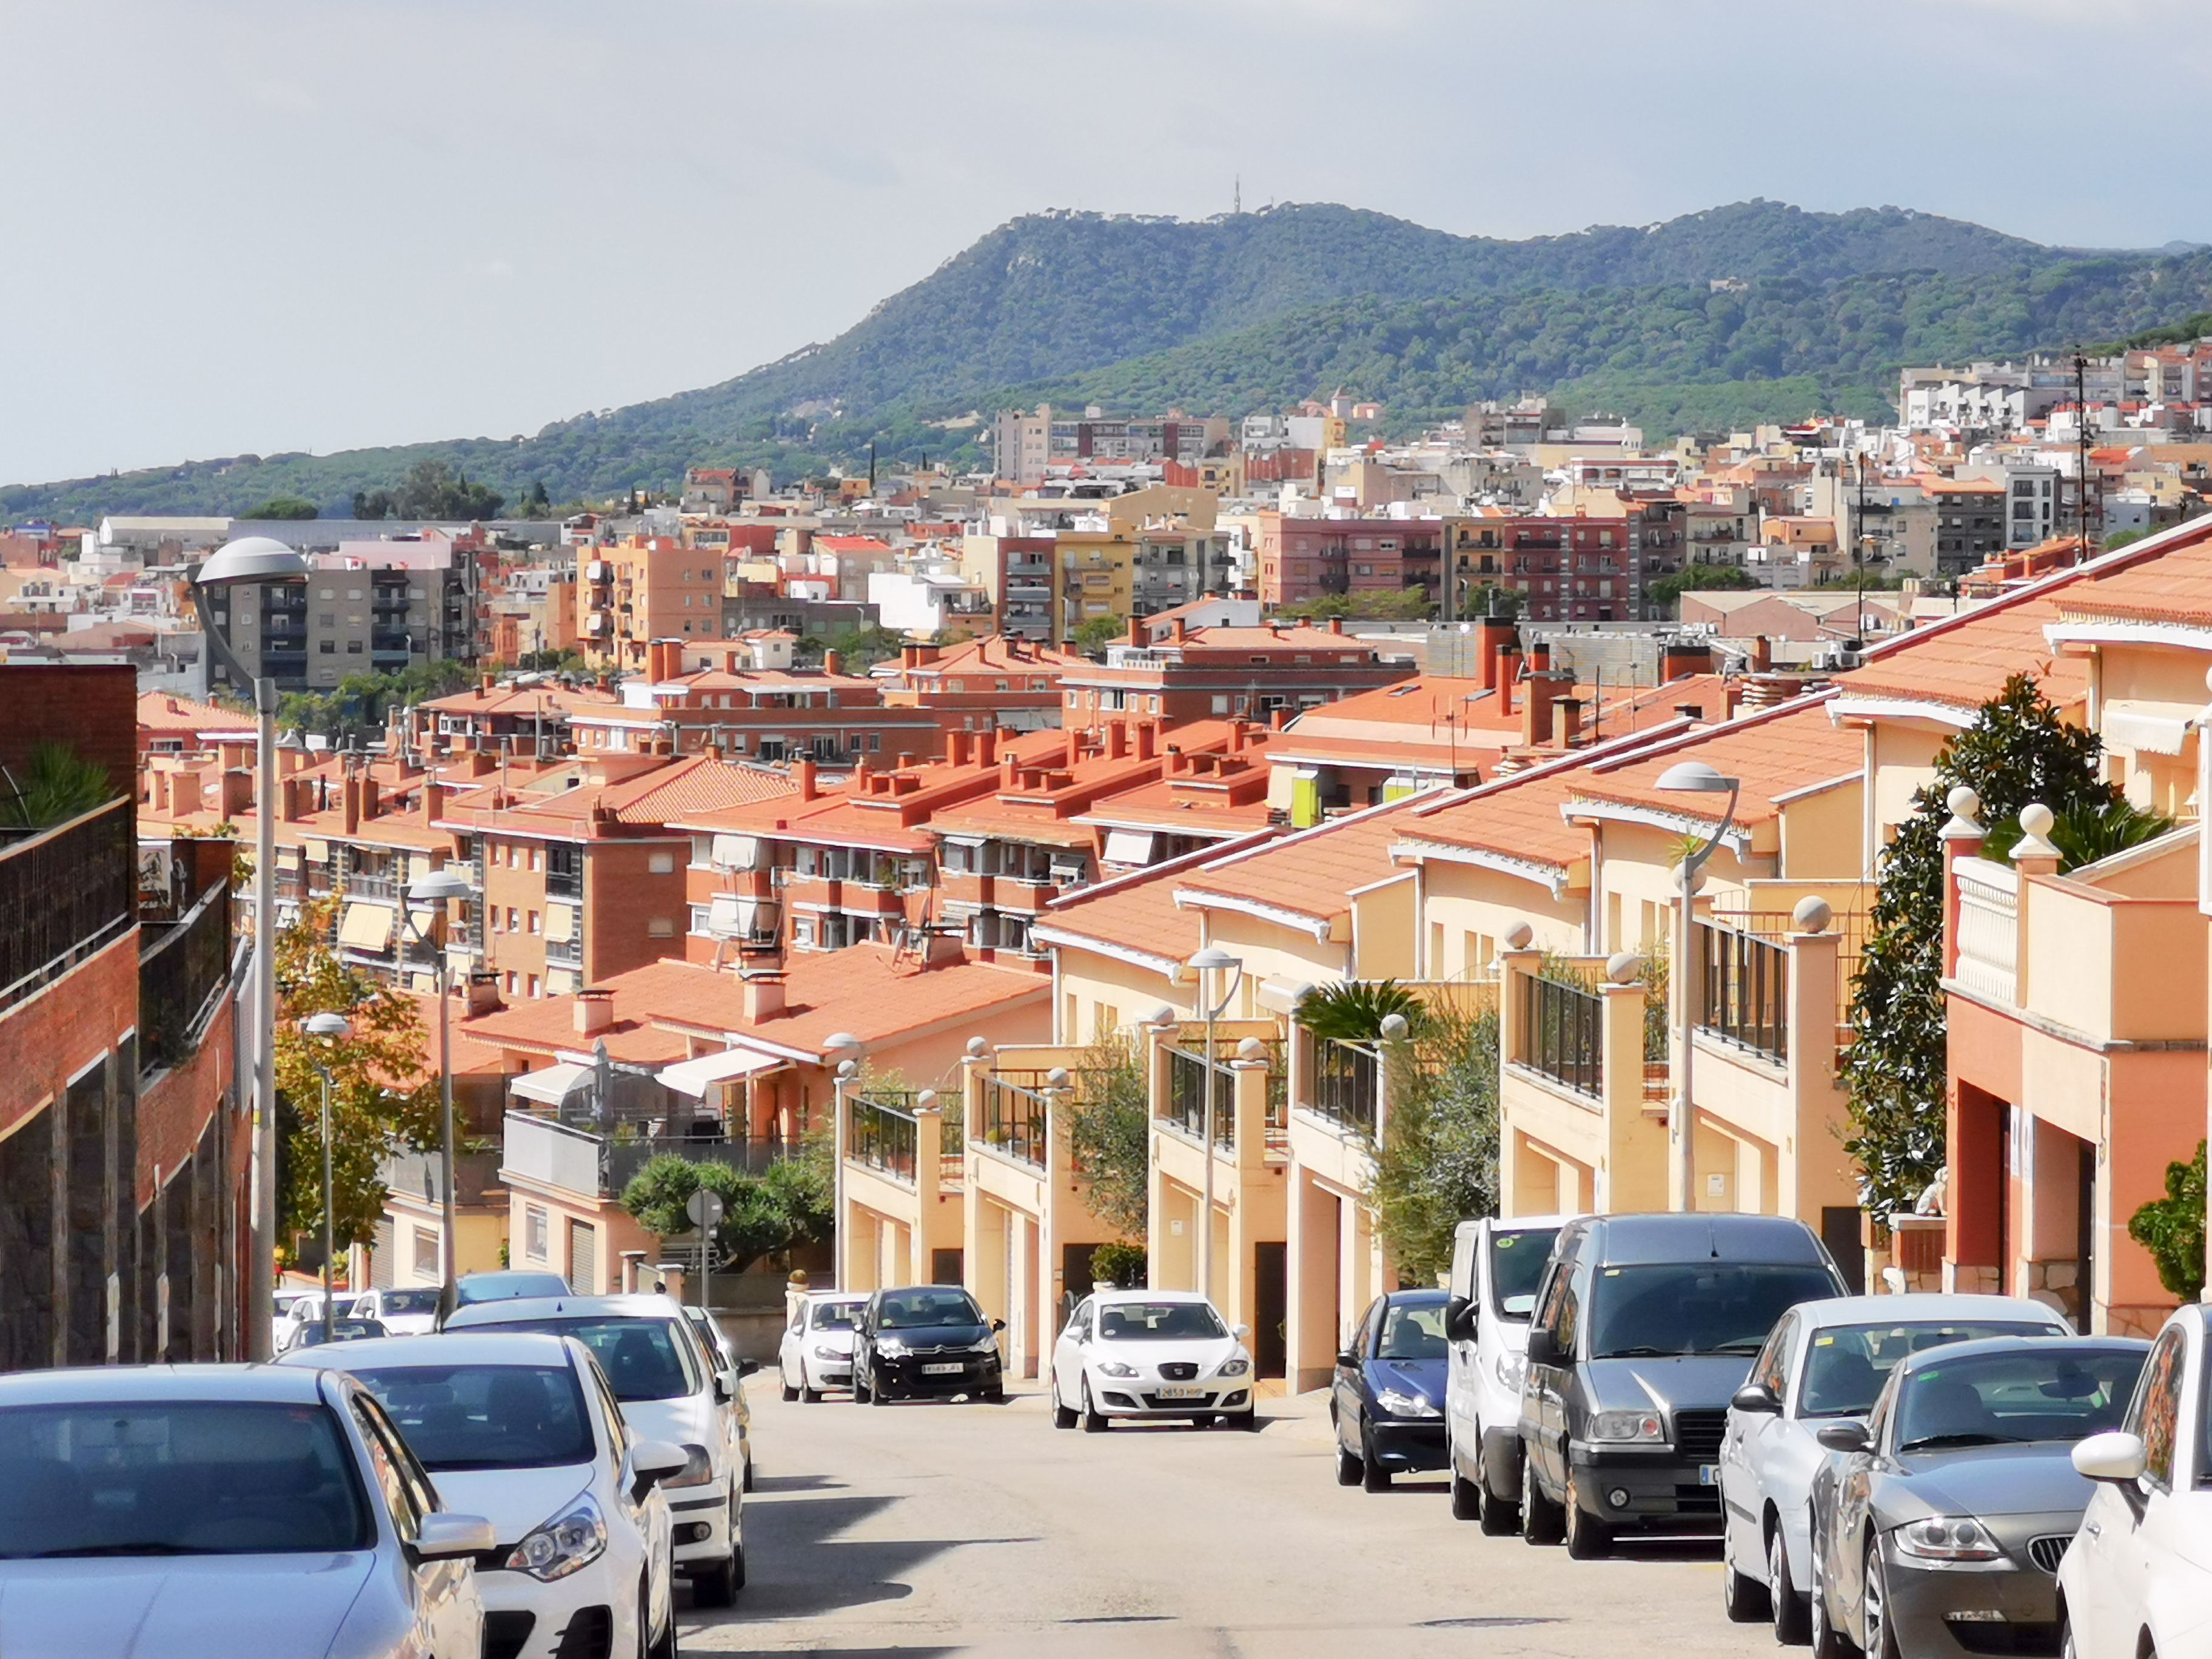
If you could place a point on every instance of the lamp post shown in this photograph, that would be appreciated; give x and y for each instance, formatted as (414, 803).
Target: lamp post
(251, 561)
(1694, 778)
(1211, 961)
(846, 1070)
(324, 1029)
(429, 895)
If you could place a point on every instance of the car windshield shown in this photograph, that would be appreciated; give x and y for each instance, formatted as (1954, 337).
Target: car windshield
(2049, 1392)
(1702, 1307)
(1159, 1322)
(408, 1302)
(834, 1316)
(1517, 1267)
(507, 1287)
(341, 1330)
(178, 1477)
(912, 1310)
(1846, 1365)
(487, 1417)
(643, 1358)
(1412, 1330)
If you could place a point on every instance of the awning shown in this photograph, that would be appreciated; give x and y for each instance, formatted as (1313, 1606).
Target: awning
(366, 927)
(731, 916)
(560, 922)
(2162, 728)
(691, 1077)
(1132, 846)
(550, 1086)
(736, 852)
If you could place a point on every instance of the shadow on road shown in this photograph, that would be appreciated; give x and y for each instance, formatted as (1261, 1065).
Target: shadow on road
(769, 1484)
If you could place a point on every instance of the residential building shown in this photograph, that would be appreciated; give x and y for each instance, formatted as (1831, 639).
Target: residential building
(632, 592)
(991, 682)
(376, 608)
(1179, 673)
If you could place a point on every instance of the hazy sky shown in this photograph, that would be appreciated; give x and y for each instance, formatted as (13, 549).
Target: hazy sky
(256, 225)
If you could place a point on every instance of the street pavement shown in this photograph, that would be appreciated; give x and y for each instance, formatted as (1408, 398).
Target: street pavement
(924, 1528)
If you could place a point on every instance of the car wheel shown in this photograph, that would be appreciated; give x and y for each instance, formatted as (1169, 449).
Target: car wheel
(1743, 1598)
(808, 1394)
(860, 1384)
(718, 1586)
(1827, 1641)
(1094, 1421)
(1347, 1465)
(664, 1645)
(1589, 1538)
(878, 1393)
(1466, 1499)
(1251, 1421)
(790, 1392)
(1787, 1606)
(1062, 1417)
(749, 1469)
(1373, 1475)
(1497, 1518)
(1881, 1638)
(995, 1394)
(1540, 1516)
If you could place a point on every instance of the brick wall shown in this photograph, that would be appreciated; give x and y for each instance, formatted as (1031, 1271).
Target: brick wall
(174, 1111)
(91, 707)
(49, 1037)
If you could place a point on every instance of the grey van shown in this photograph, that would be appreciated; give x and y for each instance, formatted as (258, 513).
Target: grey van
(1646, 1326)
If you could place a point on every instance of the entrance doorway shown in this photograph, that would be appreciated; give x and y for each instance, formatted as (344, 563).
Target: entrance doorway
(1270, 1308)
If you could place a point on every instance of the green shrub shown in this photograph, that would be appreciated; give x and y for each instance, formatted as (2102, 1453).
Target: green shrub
(2173, 1229)
(1122, 1266)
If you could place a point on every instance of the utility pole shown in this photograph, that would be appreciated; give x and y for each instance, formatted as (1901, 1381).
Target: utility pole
(2081, 454)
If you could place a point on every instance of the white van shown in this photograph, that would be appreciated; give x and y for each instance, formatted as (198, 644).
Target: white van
(1497, 1266)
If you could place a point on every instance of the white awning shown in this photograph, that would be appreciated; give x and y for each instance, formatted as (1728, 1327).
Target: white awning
(691, 1077)
(550, 1086)
(731, 916)
(366, 927)
(2160, 728)
(736, 852)
(1132, 846)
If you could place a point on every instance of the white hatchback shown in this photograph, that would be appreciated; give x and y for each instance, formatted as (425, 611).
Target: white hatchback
(1134, 1353)
(816, 1353)
(404, 1311)
(522, 1430)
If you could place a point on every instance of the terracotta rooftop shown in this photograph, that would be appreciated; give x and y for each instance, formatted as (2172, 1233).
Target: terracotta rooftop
(1311, 874)
(1138, 914)
(1516, 818)
(160, 711)
(1776, 754)
(2174, 588)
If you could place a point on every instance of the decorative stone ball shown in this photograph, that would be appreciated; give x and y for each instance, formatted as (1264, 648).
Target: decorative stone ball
(1251, 1049)
(977, 1048)
(1963, 801)
(1519, 935)
(1394, 1028)
(1813, 914)
(2036, 819)
(1622, 967)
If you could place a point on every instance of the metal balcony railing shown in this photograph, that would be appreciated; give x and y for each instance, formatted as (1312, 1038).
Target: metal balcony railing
(881, 1136)
(1014, 1118)
(183, 966)
(1345, 1081)
(1744, 986)
(1561, 1026)
(65, 893)
(1188, 1074)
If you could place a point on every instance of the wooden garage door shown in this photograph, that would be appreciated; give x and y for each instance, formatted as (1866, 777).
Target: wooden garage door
(583, 1258)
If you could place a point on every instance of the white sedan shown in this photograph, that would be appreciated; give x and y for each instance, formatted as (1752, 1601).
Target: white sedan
(409, 1310)
(2137, 1578)
(1134, 1353)
(816, 1353)
(522, 1430)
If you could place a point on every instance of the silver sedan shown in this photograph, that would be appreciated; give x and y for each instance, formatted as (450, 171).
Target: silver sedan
(219, 1510)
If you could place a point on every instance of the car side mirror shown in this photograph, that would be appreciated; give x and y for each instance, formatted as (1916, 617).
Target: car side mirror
(1756, 1398)
(998, 1325)
(1544, 1346)
(443, 1537)
(1459, 1318)
(2117, 1456)
(721, 1390)
(1344, 1356)
(651, 1461)
(1848, 1435)
(1240, 1332)
(747, 1367)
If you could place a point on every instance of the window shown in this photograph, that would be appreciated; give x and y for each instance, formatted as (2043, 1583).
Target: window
(326, 619)
(537, 854)
(536, 989)
(353, 647)
(512, 925)
(1221, 704)
(328, 648)
(531, 917)
(533, 1225)
(426, 1251)
(661, 863)
(2155, 1414)
(660, 927)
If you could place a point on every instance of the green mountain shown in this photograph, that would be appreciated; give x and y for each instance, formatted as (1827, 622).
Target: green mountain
(1265, 308)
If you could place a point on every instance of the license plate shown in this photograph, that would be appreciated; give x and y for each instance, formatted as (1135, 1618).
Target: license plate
(1182, 1393)
(953, 1369)
(1708, 1474)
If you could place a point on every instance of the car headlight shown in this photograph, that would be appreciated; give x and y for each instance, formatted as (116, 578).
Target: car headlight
(1115, 1368)
(823, 1352)
(1398, 1403)
(891, 1347)
(1627, 1428)
(698, 1468)
(1236, 1367)
(1510, 1370)
(571, 1540)
(989, 1345)
(1948, 1538)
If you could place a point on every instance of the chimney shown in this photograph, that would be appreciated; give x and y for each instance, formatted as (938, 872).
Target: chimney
(1146, 734)
(1539, 657)
(986, 747)
(833, 662)
(1731, 696)
(372, 804)
(1281, 719)
(910, 656)
(1762, 654)
(434, 800)
(1336, 624)
(288, 801)
(1137, 631)
(1176, 632)
(483, 992)
(1567, 721)
(1117, 740)
(1073, 746)
(956, 748)
(1009, 774)
(1235, 737)
(763, 993)
(237, 792)
(594, 1013)
(1494, 634)
(1536, 713)
(1680, 658)
(803, 770)
(485, 686)
(1509, 673)
(352, 804)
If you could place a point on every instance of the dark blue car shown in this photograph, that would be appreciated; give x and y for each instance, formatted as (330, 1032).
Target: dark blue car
(1388, 1398)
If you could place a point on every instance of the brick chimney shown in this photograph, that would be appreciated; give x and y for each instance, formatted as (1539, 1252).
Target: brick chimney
(1147, 735)
(1177, 633)
(802, 772)
(833, 662)
(1508, 670)
(986, 747)
(351, 805)
(1336, 624)
(1536, 712)
(1493, 634)
(1117, 739)
(1762, 654)
(237, 792)
(434, 800)
(763, 994)
(289, 804)
(594, 1012)
(483, 992)
(1567, 721)
(956, 748)
(372, 799)
(1072, 745)
(1009, 772)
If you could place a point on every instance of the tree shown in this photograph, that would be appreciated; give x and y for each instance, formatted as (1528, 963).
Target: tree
(58, 784)
(1436, 1164)
(1092, 637)
(431, 490)
(537, 504)
(1109, 1133)
(2123, 538)
(285, 506)
(383, 1093)
(1699, 579)
(2017, 751)
(2173, 1229)
(769, 1213)
(1354, 1011)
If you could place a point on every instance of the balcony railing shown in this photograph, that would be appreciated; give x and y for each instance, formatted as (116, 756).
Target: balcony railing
(1345, 1077)
(599, 1166)
(1187, 1076)
(182, 966)
(1989, 928)
(421, 1175)
(1014, 1120)
(1561, 1025)
(1744, 983)
(64, 894)
(882, 1136)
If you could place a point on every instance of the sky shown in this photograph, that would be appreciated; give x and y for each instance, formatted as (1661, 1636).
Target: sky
(262, 225)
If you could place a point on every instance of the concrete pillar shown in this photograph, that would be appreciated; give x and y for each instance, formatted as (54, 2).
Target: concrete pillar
(928, 1148)
(1812, 1168)
(1634, 1172)
(1311, 1265)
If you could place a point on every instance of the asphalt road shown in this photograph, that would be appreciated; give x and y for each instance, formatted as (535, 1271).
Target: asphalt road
(920, 1529)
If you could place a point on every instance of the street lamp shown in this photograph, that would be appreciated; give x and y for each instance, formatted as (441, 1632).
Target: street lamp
(846, 1070)
(1691, 778)
(251, 561)
(427, 898)
(327, 1029)
(1209, 963)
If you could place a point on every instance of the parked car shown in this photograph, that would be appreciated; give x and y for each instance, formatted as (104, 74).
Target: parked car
(505, 1285)
(2137, 1578)
(1496, 1268)
(1385, 1396)
(1948, 1510)
(1137, 1353)
(315, 1333)
(210, 1511)
(816, 1352)
(721, 1355)
(1644, 1328)
(1825, 1360)
(645, 1346)
(411, 1310)
(305, 1309)
(524, 1430)
(925, 1341)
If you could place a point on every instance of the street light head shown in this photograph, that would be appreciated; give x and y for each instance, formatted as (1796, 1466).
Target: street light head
(1212, 959)
(251, 559)
(1694, 777)
(837, 1040)
(437, 888)
(326, 1025)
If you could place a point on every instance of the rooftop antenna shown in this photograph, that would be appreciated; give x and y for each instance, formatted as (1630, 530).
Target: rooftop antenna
(1237, 195)
(2081, 448)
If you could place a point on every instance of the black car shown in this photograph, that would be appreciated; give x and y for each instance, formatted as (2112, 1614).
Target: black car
(1387, 1399)
(925, 1341)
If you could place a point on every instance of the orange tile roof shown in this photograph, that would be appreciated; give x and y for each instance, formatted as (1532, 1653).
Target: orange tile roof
(1518, 818)
(1138, 914)
(512, 699)
(1776, 754)
(699, 785)
(1962, 665)
(160, 711)
(2174, 588)
(1312, 873)
(1173, 804)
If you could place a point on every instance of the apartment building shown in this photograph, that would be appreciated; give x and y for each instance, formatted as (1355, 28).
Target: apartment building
(643, 588)
(1181, 673)
(374, 608)
(1308, 558)
(1027, 446)
(995, 683)
(530, 714)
